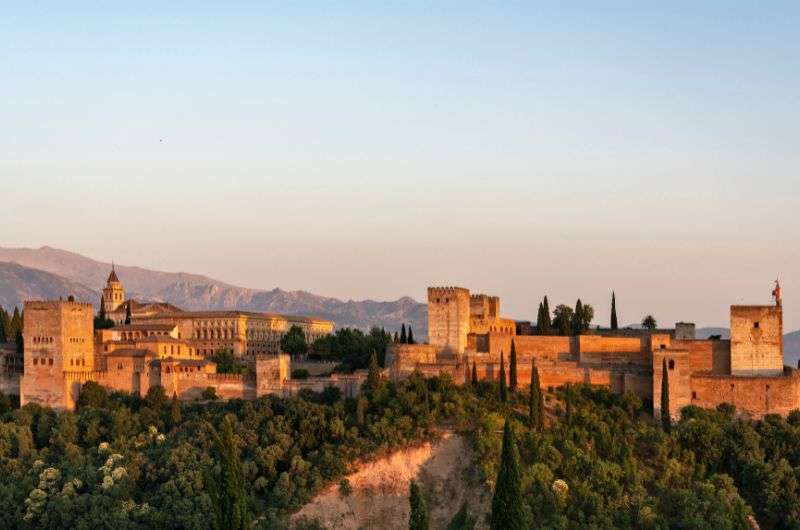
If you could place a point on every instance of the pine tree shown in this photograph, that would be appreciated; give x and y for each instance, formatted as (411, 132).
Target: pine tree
(512, 369)
(475, 373)
(128, 314)
(461, 520)
(410, 335)
(403, 338)
(577, 318)
(535, 401)
(665, 419)
(228, 494)
(503, 391)
(507, 505)
(614, 324)
(418, 519)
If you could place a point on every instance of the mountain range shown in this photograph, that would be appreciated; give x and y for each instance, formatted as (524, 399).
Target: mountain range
(48, 272)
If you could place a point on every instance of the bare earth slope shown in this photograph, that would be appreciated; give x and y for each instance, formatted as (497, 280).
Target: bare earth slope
(379, 498)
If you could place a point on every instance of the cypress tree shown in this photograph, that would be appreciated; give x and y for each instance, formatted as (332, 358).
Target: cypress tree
(102, 314)
(539, 320)
(535, 401)
(418, 519)
(665, 419)
(15, 325)
(361, 411)
(577, 318)
(374, 374)
(512, 372)
(547, 323)
(503, 391)
(396, 338)
(4, 321)
(410, 335)
(128, 314)
(475, 373)
(403, 339)
(228, 494)
(614, 324)
(461, 520)
(175, 412)
(507, 505)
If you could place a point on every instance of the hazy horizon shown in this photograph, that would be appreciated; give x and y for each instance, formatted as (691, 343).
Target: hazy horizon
(367, 151)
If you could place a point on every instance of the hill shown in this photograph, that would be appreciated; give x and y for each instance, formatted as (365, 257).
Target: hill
(191, 291)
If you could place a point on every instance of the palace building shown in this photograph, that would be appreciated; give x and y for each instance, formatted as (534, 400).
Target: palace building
(746, 371)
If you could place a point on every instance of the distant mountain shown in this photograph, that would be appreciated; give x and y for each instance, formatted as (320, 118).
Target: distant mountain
(67, 271)
(18, 283)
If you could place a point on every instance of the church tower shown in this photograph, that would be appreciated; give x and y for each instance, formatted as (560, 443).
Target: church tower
(113, 292)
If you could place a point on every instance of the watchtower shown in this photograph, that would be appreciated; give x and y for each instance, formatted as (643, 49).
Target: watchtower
(757, 340)
(448, 318)
(58, 338)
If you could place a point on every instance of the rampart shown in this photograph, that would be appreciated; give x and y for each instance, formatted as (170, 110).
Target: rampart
(756, 396)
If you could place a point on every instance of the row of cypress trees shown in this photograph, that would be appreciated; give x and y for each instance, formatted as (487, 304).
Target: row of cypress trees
(545, 324)
(404, 338)
(11, 326)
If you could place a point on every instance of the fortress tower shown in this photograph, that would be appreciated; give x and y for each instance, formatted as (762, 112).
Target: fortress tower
(58, 338)
(113, 292)
(757, 340)
(448, 318)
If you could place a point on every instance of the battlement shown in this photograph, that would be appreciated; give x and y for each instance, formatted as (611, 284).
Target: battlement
(434, 292)
(55, 304)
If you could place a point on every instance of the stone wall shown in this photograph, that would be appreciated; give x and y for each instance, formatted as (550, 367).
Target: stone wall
(448, 318)
(756, 340)
(402, 359)
(756, 396)
(679, 379)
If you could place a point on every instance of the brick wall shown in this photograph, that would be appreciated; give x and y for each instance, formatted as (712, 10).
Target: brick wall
(754, 395)
(756, 340)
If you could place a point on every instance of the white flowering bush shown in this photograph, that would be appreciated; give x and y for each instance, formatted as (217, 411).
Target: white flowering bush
(103, 448)
(560, 488)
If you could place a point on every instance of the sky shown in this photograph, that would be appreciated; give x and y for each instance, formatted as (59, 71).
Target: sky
(371, 149)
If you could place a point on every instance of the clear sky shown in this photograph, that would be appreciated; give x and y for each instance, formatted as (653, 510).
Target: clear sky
(369, 149)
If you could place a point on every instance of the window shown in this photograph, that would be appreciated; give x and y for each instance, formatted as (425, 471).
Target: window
(756, 325)
(694, 395)
(671, 364)
(50, 361)
(35, 361)
(664, 347)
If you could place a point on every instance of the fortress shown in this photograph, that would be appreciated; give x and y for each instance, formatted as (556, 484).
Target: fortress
(160, 345)
(747, 370)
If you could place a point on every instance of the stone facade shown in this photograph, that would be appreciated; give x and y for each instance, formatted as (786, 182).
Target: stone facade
(746, 370)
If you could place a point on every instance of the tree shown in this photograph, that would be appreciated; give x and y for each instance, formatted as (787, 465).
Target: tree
(226, 362)
(175, 412)
(562, 319)
(475, 373)
(512, 375)
(403, 338)
(4, 324)
(503, 391)
(539, 319)
(396, 339)
(410, 335)
(546, 325)
(507, 505)
(614, 324)
(587, 317)
(665, 419)
(128, 313)
(92, 395)
(535, 401)
(418, 519)
(577, 318)
(361, 411)
(228, 491)
(461, 520)
(374, 374)
(649, 322)
(101, 321)
(294, 342)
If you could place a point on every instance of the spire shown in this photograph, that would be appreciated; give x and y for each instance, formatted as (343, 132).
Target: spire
(113, 276)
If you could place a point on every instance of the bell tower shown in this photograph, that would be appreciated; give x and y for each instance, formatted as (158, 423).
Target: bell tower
(113, 292)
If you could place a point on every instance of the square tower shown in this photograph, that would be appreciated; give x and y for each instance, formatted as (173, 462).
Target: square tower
(756, 340)
(448, 318)
(58, 338)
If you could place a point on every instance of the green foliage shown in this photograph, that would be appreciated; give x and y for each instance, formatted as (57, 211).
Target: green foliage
(666, 421)
(535, 401)
(410, 335)
(228, 491)
(461, 520)
(294, 341)
(562, 319)
(351, 347)
(503, 391)
(92, 395)
(227, 363)
(300, 373)
(512, 376)
(418, 518)
(614, 323)
(403, 337)
(128, 314)
(649, 322)
(508, 511)
(474, 373)
(210, 393)
(543, 322)
(101, 321)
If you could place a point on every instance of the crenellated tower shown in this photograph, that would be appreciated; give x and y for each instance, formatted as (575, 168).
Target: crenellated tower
(448, 318)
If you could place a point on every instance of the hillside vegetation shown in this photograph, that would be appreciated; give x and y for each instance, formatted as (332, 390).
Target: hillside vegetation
(600, 461)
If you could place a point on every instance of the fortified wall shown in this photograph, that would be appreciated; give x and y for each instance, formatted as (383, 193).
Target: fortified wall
(746, 371)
